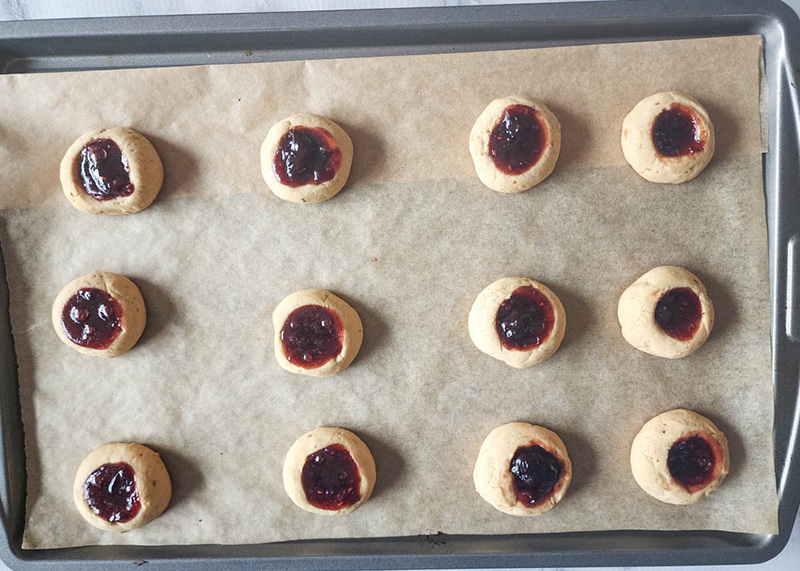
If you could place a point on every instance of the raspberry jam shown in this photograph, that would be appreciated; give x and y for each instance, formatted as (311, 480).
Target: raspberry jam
(518, 140)
(678, 313)
(535, 474)
(104, 170)
(524, 320)
(691, 462)
(306, 156)
(110, 491)
(331, 479)
(311, 336)
(677, 132)
(91, 318)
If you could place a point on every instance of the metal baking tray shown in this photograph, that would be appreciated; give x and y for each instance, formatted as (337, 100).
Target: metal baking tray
(61, 45)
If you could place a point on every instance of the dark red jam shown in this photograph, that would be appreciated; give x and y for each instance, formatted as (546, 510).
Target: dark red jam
(678, 313)
(677, 132)
(90, 318)
(691, 462)
(524, 321)
(111, 492)
(306, 156)
(331, 479)
(104, 170)
(311, 336)
(518, 140)
(536, 473)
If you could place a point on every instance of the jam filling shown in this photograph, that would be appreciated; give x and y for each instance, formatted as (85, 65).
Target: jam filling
(518, 140)
(311, 336)
(306, 156)
(331, 479)
(678, 313)
(91, 318)
(111, 493)
(677, 132)
(691, 463)
(535, 474)
(524, 320)
(104, 170)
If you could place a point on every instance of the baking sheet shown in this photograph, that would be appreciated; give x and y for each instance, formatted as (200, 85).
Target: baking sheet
(203, 388)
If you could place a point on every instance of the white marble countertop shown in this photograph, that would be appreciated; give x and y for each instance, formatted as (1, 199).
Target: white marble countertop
(787, 560)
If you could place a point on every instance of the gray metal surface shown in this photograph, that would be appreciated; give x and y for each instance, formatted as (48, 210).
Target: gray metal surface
(60, 45)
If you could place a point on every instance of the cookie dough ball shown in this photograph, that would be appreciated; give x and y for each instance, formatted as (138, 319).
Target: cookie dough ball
(100, 314)
(518, 321)
(111, 171)
(666, 313)
(668, 137)
(329, 471)
(679, 457)
(306, 158)
(515, 144)
(522, 469)
(316, 333)
(122, 486)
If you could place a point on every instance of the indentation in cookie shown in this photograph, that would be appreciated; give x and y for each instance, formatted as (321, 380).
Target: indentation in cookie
(677, 132)
(91, 318)
(306, 156)
(524, 320)
(331, 479)
(104, 170)
(678, 313)
(311, 336)
(518, 140)
(111, 492)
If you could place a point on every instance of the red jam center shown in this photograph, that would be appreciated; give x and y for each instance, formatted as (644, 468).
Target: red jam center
(111, 492)
(678, 313)
(536, 473)
(518, 140)
(524, 321)
(90, 318)
(331, 479)
(306, 156)
(677, 132)
(104, 170)
(691, 463)
(311, 336)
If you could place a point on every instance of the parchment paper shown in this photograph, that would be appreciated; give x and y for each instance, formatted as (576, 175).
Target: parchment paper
(409, 243)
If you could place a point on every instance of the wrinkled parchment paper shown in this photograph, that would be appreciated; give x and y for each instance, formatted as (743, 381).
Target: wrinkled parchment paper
(409, 243)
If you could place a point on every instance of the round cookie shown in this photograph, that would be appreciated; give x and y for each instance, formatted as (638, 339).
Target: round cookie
(111, 171)
(122, 486)
(101, 314)
(666, 313)
(518, 321)
(306, 158)
(515, 144)
(316, 333)
(668, 138)
(522, 469)
(679, 457)
(329, 471)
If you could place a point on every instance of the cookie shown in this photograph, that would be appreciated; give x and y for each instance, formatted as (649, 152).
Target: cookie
(518, 321)
(666, 313)
(522, 469)
(515, 144)
(316, 333)
(100, 314)
(668, 138)
(329, 471)
(679, 457)
(306, 158)
(122, 486)
(111, 171)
